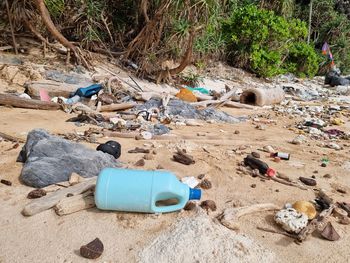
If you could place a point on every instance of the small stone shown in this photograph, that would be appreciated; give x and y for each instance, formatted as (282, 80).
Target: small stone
(308, 181)
(148, 156)
(139, 150)
(237, 132)
(205, 184)
(269, 149)
(201, 176)
(277, 190)
(327, 176)
(256, 155)
(140, 162)
(6, 182)
(92, 250)
(341, 190)
(253, 186)
(159, 167)
(330, 233)
(208, 205)
(154, 152)
(315, 172)
(190, 206)
(277, 159)
(37, 193)
(313, 176)
(323, 165)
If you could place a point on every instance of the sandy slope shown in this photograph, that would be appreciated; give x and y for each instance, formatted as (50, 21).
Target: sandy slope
(47, 237)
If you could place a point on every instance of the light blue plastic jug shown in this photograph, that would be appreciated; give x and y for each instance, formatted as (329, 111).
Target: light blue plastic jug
(141, 191)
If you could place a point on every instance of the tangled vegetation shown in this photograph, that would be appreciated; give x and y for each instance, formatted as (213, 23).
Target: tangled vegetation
(148, 32)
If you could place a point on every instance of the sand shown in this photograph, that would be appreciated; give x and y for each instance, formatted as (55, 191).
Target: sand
(130, 237)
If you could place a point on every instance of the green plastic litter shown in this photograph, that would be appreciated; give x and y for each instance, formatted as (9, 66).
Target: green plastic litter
(201, 90)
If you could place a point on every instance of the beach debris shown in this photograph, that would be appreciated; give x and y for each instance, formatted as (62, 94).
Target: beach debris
(139, 150)
(306, 208)
(6, 182)
(49, 201)
(75, 203)
(330, 233)
(37, 193)
(190, 206)
(205, 184)
(208, 205)
(256, 155)
(308, 181)
(190, 181)
(92, 250)
(291, 220)
(111, 147)
(230, 216)
(140, 163)
(182, 157)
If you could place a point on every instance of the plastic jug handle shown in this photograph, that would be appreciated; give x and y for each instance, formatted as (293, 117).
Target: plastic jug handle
(171, 208)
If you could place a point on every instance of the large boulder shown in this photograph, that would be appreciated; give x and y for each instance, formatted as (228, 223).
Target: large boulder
(50, 159)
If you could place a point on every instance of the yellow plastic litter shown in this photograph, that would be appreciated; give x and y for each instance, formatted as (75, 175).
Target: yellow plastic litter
(186, 95)
(305, 207)
(337, 121)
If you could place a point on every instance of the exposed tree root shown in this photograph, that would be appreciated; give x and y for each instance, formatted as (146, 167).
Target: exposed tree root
(45, 15)
(165, 75)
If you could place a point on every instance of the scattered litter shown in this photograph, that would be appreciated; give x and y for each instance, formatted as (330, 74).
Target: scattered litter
(306, 208)
(190, 181)
(291, 220)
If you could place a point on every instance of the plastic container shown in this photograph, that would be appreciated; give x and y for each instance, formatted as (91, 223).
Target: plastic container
(283, 156)
(142, 191)
(73, 99)
(88, 91)
(260, 165)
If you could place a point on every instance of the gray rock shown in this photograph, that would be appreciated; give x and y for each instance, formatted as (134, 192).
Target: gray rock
(49, 159)
(181, 108)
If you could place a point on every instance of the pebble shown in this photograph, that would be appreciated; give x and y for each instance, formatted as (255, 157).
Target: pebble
(205, 184)
(201, 176)
(323, 165)
(334, 146)
(269, 149)
(208, 205)
(190, 206)
(277, 159)
(308, 181)
(298, 140)
(140, 162)
(341, 190)
(6, 182)
(327, 176)
(37, 193)
(237, 132)
(159, 167)
(253, 186)
(256, 155)
(92, 250)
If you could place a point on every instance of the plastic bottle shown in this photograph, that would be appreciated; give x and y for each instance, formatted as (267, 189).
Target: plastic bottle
(73, 99)
(255, 163)
(283, 156)
(141, 191)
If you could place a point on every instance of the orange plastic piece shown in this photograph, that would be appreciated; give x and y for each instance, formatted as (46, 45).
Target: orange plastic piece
(186, 95)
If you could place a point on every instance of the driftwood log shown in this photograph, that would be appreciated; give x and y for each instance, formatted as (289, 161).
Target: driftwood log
(74, 204)
(53, 199)
(15, 101)
(53, 88)
(10, 138)
(230, 216)
(116, 107)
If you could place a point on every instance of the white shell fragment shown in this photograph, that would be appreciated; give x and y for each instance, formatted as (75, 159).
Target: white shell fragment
(291, 220)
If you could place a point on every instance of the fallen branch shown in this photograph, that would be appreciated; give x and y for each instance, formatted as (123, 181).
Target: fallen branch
(74, 204)
(277, 232)
(230, 216)
(15, 101)
(319, 223)
(10, 138)
(51, 200)
(11, 27)
(116, 107)
(45, 15)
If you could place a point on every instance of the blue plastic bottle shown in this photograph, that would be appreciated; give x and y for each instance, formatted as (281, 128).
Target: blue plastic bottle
(141, 191)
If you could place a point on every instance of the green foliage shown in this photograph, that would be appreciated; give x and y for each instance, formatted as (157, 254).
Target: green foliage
(267, 44)
(329, 25)
(55, 7)
(191, 79)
